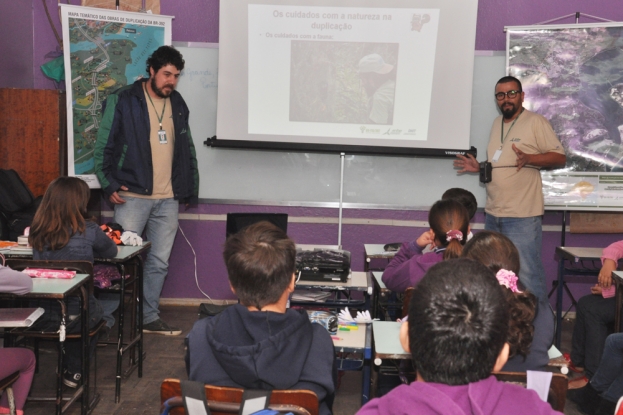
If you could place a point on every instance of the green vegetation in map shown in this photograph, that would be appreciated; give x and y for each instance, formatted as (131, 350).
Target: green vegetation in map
(95, 73)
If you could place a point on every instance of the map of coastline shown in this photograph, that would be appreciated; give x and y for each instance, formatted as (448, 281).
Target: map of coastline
(105, 56)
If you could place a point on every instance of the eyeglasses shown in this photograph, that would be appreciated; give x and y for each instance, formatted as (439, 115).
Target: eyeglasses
(511, 94)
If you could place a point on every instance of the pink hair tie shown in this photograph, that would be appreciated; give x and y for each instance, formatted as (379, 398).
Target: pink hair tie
(452, 234)
(508, 279)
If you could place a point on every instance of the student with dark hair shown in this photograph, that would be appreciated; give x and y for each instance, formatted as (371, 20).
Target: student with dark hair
(531, 324)
(464, 197)
(60, 230)
(456, 333)
(260, 343)
(449, 226)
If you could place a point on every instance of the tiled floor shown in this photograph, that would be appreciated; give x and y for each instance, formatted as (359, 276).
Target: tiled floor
(165, 359)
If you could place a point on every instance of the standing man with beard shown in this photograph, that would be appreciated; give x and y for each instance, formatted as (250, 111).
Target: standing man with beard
(146, 164)
(521, 143)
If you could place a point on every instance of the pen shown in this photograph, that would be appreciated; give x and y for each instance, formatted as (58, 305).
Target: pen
(336, 338)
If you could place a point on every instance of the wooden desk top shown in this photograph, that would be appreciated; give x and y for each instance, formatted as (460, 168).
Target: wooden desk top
(387, 345)
(353, 340)
(377, 275)
(577, 254)
(124, 253)
(377, 251)
(52, 287)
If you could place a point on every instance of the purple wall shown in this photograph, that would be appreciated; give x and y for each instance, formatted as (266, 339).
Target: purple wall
(16, 44)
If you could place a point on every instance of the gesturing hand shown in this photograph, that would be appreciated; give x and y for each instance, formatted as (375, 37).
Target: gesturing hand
(522, 158)
(466, 164)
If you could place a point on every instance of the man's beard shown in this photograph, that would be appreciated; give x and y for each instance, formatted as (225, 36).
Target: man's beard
(509, 111)
(160, 92)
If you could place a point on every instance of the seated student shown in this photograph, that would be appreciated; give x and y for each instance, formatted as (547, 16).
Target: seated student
(15, 358)
(595, 317)
(531, 325)
(449, 225)
(259, 343)
(602, 393)
(456, 333)
(60, 230)
(464, 197)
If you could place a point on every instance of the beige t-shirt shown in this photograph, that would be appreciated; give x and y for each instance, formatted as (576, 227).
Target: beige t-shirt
(512, 193)
(161, 153)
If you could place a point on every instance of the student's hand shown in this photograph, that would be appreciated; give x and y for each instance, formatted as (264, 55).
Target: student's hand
(426, 238)
(596, 289)
(466, 164)
(604, 279)
(522, 158)
(116, 199)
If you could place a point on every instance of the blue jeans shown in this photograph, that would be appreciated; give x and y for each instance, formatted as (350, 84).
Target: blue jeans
(527, 235)
(609, 376)
(158, 218)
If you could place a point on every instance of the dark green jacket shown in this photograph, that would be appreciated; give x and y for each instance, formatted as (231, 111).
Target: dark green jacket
(123, 152)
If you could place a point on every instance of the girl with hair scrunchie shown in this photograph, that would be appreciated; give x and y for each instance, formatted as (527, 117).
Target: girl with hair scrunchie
(449, 227)
(531, 322)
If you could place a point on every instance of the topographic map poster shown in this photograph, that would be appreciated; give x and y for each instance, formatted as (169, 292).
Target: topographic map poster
(573, 76)
(104, 50)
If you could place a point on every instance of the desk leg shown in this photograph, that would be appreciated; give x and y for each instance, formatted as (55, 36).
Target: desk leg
(559, 290)
(61, 348)
(84, 325)
(139, 299)
(619, 303)
(120, 335)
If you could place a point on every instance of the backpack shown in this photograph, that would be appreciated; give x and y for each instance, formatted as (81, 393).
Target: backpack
(17, 205)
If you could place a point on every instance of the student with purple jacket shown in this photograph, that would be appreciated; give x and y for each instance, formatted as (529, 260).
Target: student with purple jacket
(456, 333)
(449, 227)
(16, 358)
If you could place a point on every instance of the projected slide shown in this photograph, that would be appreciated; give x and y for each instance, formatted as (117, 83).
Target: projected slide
(340, 71)
(365, 76)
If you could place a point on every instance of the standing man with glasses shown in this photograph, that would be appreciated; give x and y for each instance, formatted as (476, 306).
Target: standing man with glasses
(520, 144)
(145, 161)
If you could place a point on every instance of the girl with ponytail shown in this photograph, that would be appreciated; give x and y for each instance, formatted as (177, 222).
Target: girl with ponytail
(449, 227)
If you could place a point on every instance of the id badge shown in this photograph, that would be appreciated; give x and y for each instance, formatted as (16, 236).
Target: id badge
(496, 155)
(162, 136)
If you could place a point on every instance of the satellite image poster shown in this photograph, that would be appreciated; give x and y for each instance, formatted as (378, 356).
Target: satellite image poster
(573, 76)
(104, 50)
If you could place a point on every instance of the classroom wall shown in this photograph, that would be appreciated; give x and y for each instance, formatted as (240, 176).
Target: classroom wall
(204, 225)
(16, 42)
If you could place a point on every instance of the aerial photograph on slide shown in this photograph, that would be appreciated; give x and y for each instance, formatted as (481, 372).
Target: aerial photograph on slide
(104, 57)
(343, 82)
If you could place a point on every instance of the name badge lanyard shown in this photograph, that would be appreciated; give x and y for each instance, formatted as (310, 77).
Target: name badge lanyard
(498, 153)
(162, 134)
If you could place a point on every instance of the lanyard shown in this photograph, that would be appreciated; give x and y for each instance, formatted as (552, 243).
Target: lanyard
(502, 136)
(165, 105)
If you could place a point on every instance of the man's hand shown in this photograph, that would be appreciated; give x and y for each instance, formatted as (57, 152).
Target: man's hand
(604, 279)
(596, 290)
(115, 198)
(522, 158)
(466, 164)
